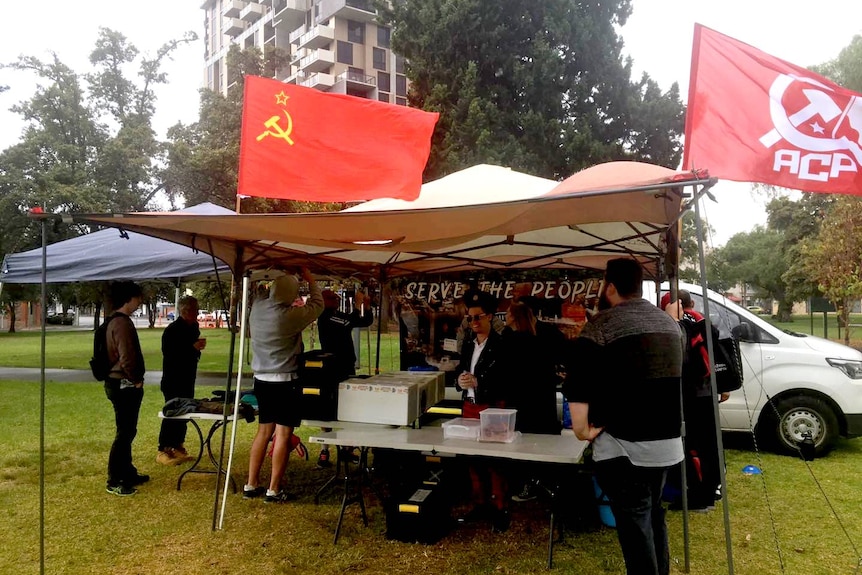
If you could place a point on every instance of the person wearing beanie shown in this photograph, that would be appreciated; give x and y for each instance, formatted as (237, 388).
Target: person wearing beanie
(276, 343)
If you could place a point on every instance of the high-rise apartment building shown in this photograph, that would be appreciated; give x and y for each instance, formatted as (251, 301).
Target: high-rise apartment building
(334, 45)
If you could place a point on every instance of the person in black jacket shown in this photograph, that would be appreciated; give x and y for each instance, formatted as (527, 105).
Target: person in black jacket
(530, 371)
(483, 384)
(336, 337)
(181, 350)
(336, 329)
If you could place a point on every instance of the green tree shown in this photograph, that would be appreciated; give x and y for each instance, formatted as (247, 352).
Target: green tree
(88, 144)
(798, 221)
(834, 257)
(689, 259)
(203, 156)
(757, 259)
(846, 69)
(537, 86)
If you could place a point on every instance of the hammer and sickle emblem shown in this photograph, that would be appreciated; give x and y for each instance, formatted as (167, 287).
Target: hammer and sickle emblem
(274, 129)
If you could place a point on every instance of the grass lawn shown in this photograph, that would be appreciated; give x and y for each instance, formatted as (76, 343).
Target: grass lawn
(164, 531)
(72, 349)
(816, 326)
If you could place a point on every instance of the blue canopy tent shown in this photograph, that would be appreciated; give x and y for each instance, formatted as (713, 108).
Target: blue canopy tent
(115, 254)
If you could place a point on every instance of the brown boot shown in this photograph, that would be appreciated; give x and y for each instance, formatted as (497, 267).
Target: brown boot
(169, 457)
(183, 454)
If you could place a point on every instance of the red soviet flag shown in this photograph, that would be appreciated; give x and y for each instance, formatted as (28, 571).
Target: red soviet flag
(301, 144)
(754, 118)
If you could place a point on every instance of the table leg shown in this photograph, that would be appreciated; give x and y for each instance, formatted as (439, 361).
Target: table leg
(200, 454)
(205, 445)
(219, 468)
(339, 461)
(349, 498)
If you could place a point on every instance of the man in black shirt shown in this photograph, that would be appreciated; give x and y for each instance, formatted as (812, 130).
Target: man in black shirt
(181, 350)
(336, 337)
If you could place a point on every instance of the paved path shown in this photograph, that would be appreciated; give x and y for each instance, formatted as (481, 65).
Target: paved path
(81, 375)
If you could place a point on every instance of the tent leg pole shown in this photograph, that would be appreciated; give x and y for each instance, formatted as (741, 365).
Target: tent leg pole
(380, 308)
(710, 347)
(216, 524)
(43, 302)
(244, 316)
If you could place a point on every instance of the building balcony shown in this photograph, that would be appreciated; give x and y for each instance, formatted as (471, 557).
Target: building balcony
(317, 37)
(319, 81)
(294, 36)
(317, 61)
(357, 81)
(289, 13)
(251, 13)
(232, 26)
(294, 77)
(358, 10)
(232, 8)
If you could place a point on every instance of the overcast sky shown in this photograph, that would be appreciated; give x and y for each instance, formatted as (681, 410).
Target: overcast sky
(658, 37)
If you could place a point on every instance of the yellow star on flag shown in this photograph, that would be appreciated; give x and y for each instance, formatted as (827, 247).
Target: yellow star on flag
(281, 98)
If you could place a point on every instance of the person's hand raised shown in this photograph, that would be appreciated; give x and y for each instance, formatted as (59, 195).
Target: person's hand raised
(306, 275)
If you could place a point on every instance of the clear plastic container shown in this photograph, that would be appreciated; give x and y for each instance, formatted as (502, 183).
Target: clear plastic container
(497, 425)
(461, 428)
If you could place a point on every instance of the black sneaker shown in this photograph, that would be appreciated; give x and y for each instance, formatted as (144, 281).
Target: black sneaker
(253, 493)
(500, 521)
(121, 490)
(280, 497)
(526, 494)
(137, 479)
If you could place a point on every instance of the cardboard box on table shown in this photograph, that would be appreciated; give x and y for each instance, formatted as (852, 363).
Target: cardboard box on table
(394, 398)
(432, 385)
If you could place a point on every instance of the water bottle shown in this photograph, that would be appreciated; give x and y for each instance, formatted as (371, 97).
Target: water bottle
(567, 417)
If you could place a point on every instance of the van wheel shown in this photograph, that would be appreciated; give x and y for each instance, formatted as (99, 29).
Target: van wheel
(799, 415)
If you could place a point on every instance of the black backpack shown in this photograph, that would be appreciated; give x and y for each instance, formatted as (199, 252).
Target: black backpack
(100, 364)
(726, 355)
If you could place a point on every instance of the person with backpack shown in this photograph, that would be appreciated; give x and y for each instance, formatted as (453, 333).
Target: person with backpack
(124, 386)
(703, 476)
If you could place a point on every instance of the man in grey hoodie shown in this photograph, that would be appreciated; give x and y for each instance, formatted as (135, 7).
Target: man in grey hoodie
(276, 343)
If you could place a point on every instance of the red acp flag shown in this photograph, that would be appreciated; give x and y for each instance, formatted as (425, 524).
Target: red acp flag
(754, 118)
(301, 144)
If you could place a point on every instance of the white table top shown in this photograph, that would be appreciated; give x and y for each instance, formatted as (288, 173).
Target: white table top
(529, 446)
(196, 415)
(345, 425)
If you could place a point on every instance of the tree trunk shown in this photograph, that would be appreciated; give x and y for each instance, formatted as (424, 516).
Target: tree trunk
(97, 320)
(11, 307)
(785, 311)
(844, 312)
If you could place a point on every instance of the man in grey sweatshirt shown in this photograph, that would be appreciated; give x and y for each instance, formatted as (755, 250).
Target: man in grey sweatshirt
(276, 343)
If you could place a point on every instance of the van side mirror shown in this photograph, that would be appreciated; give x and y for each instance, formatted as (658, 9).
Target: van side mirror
(744, 332)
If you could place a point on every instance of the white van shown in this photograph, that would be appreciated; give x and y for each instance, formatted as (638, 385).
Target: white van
(795, 384)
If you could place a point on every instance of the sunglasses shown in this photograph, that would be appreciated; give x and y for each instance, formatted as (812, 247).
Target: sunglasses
(476, 317)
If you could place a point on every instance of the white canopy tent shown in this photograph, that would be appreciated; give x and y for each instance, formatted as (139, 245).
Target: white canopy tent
(482, 218)
(485, 217)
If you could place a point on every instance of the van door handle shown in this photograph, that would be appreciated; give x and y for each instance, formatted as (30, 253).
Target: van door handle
(768, 357)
